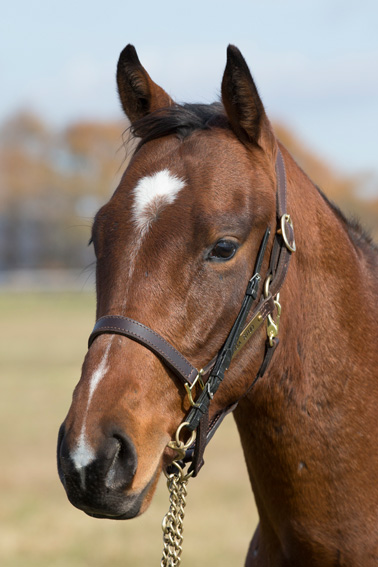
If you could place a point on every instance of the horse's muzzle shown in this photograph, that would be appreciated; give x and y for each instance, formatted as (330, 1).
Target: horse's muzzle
(98, 482)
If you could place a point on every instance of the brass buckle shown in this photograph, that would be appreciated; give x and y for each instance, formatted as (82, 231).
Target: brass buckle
(273, 326)
(287, 219)
(189, 388)
(266, 286)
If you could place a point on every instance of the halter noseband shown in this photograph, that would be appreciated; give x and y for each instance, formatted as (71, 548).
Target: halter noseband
(212, 375)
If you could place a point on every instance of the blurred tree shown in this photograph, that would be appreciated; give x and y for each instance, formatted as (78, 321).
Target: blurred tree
(53, 181)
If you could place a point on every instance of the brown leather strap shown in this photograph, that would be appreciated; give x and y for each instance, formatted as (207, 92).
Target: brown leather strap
(281, 253)
(265, 307)
(147, 337)
(279, 268)
(281, 185)
(200, 443)
(150, 339)
(194, 454)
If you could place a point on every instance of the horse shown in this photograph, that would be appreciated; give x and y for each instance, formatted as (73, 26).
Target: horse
(198, 267)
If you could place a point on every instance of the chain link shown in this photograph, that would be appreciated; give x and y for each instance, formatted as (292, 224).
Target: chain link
(173, 522)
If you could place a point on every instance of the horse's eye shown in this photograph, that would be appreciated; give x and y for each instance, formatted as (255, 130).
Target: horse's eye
(223, 250)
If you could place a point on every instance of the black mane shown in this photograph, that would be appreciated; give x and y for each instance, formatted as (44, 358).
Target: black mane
(358, 235)
(180, 120)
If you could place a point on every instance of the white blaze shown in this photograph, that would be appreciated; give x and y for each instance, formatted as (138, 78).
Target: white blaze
(152, 194)
(98, 374)
(83, 454)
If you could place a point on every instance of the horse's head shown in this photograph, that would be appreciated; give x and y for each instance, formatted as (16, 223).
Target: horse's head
(175, 247)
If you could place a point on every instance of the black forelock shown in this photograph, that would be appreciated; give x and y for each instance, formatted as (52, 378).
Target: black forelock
(179, 120)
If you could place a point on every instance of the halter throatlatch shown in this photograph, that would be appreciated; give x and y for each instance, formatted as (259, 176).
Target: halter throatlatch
(210, 378)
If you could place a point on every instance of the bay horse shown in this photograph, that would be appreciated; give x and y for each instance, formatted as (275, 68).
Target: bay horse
(209, 199)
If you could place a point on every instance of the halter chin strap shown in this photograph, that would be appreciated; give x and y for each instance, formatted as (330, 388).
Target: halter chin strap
(212, 375)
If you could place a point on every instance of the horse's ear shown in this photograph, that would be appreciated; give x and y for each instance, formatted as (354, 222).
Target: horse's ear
(243, 104)
(138, 93)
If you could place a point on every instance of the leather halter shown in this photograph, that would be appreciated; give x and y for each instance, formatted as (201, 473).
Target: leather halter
(212, 375)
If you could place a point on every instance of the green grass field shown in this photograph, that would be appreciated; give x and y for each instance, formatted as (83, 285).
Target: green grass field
(42, 343)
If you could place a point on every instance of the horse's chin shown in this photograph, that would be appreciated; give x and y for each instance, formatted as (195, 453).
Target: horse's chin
(129, 515)
(109, 517)
(125, 508)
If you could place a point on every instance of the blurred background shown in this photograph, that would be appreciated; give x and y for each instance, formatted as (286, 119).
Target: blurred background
(61, 155)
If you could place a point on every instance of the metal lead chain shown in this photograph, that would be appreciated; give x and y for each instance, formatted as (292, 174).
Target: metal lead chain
(173, 522)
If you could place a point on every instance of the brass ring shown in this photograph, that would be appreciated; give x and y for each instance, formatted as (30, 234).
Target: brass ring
(191, 440)
(266, 286)
(287, 219)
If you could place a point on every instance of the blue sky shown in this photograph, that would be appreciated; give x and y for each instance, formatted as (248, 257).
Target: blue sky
(315, 63)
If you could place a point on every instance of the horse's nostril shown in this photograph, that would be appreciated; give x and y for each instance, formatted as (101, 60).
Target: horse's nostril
(120, 449)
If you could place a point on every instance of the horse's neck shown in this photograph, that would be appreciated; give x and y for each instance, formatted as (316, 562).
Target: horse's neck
(332, 283)
(311, 417)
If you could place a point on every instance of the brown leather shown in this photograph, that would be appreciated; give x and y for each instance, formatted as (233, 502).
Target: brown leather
(281, 185)
(200, 443)
(147, 337)
(279, 270)
(264, 308)
(280, 256)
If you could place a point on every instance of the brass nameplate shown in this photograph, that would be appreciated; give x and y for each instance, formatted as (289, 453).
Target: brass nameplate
(248, 331)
